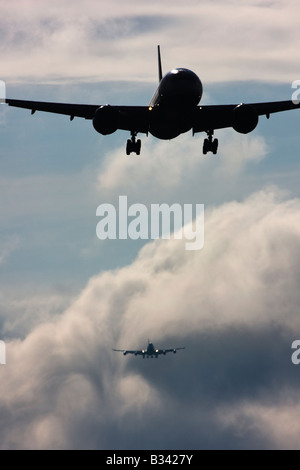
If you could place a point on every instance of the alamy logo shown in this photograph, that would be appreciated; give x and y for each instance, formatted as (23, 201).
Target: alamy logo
(295, 356)
(296, 93)
(137, 222)
(2, 353)
(2, 91)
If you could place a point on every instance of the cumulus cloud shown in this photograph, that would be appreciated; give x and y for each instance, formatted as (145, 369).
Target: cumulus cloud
(234, 305)
(239, 151)
(21, 312)
(177, 167)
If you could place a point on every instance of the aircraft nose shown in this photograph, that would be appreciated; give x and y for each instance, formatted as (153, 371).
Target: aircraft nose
(182, 85)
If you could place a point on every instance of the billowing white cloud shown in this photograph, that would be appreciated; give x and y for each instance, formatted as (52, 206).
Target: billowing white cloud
(234, 305)
(21, 312)
(169, 165)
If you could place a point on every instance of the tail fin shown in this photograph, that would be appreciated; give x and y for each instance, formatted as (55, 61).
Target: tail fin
(159, 64)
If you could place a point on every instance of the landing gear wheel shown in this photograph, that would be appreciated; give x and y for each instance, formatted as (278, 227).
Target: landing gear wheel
(128, 147)
(205, 146)
(133, 145)
(210, 144)
(215, 146)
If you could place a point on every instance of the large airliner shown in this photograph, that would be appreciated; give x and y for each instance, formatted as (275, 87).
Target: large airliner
(173, 110)
(150, 351)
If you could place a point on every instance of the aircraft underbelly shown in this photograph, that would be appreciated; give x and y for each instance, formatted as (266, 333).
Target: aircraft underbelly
(169, 123)
(165, 133)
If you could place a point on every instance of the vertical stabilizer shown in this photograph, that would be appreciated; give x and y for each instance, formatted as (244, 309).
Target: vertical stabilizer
(159, 64)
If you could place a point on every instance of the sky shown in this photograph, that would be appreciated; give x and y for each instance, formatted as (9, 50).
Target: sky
(67, 298)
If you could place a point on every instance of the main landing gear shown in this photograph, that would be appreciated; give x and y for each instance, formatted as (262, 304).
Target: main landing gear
(133, 145)
(210, 144)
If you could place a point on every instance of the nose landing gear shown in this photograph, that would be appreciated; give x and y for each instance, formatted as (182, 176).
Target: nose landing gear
(133, 145)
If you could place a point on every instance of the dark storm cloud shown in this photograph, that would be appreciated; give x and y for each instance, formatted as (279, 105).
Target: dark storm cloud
(219, 369)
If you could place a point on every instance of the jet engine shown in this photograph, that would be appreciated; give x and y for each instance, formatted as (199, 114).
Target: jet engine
(174, 351)
(125, 352)
(106, 120)
(245, 118)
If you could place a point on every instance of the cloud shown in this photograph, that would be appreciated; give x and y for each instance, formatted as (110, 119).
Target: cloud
(170, 165)
(116, 40)
(25, 307)
(234, 305)
(237, 152)
(279, 422)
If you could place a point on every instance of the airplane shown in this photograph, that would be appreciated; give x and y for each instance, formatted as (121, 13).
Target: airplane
(173, 110)
(151, 351)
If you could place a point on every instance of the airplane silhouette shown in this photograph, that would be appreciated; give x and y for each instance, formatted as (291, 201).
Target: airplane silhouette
(151, 351)
(173, 110)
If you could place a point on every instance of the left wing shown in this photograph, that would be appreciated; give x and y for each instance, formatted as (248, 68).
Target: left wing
(221, 116)
(165, 351)
(129, 117)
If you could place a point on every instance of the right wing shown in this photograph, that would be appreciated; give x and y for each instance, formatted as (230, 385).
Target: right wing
(129, 118)
(86, 111)
(126, 351)
(165, 351)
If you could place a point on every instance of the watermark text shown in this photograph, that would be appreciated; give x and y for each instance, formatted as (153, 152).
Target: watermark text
(2, 91)
(136, 221)
(2, 353)
(296, 93)
(296, 354)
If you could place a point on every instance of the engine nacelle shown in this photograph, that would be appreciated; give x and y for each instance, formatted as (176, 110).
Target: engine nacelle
(174, 351)
(106, 120)
(245, 118)
(125, 353)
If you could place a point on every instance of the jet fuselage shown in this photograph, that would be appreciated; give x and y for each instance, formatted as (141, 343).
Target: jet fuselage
(150, 350)
(174, 103)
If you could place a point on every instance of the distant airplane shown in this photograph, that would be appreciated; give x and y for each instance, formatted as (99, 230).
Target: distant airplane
(151, 351)
(173, 110)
